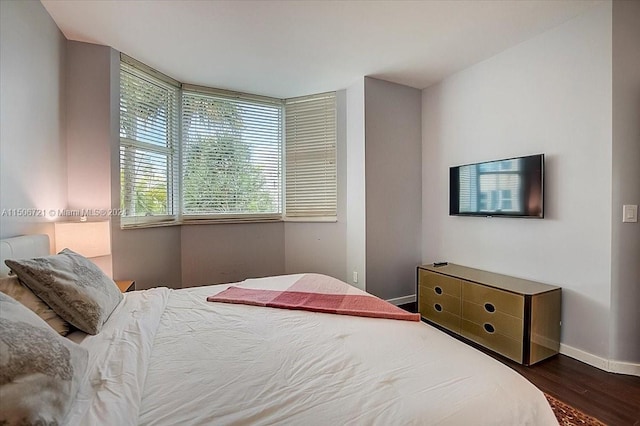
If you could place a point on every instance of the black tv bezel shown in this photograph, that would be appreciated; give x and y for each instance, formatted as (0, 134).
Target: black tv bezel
(454, 184)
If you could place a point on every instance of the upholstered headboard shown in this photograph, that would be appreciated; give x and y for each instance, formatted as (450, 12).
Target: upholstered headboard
(22, 247)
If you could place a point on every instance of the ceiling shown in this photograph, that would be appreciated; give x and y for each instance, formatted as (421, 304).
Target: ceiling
(293, 48)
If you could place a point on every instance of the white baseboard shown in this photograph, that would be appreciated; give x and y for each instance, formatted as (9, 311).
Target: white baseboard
(608, 365)
(402, 300)
(624, 368)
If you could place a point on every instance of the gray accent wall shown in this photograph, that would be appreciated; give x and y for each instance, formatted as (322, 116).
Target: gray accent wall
(89, 135)
(33, 163)
(223, 253)
(393, 170)
(151, 256)
(384, 187)
(625, 237)
(356, 217)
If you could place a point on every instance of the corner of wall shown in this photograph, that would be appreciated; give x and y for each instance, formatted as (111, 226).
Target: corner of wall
(355, 185)
(625, 251)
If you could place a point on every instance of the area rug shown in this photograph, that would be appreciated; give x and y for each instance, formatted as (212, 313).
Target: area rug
(569, 416)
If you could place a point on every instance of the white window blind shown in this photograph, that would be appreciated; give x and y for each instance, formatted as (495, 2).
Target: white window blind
(148, 147)
(231, 156)
(310, 156)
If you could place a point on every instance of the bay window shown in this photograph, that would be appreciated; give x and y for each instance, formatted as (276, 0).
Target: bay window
(191, 154)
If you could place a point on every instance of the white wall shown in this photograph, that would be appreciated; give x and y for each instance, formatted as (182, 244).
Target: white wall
(32, 112)
(551, 94)
(315, 247)
(356, 215)
(625, 278)
(322, 247)
(393, 187)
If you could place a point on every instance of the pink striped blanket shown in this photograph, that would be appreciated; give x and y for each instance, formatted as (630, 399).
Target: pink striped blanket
(316, 293)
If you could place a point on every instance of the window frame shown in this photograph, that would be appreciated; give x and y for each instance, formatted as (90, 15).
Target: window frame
(170, 151)
(190, 218)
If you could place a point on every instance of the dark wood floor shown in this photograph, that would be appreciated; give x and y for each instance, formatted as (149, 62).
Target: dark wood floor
(612, 398)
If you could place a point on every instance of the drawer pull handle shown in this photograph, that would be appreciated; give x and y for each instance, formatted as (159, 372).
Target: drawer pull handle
(488, 328)
(489, 307)
(438, 290)
(438, 307)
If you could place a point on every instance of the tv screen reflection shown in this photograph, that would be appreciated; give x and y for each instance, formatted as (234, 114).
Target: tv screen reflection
(511, 187)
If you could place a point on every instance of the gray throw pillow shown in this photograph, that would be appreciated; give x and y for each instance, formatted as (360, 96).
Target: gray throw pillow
(40, 370)
(73, 286)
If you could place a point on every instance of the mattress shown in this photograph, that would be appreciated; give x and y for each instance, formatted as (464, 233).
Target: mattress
(168, 357)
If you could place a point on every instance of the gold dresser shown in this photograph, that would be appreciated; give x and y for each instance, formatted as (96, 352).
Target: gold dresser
(519, 319)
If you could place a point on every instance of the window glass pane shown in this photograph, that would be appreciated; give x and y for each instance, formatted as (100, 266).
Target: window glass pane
(231, 151)
(144, 183)
(148, 145)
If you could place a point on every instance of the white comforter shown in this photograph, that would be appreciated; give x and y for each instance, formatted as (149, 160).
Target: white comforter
(169, 357)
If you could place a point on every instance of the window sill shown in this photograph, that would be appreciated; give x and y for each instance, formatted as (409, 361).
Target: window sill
(189, 222)
(319, 219)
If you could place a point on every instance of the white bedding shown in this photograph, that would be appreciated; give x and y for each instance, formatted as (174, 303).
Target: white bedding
(169, 357)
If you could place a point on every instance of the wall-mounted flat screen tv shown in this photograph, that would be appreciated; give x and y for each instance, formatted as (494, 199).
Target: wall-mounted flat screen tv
(508, 188)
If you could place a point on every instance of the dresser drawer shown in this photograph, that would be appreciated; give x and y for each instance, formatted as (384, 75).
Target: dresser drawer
(498, 300)
(446, 319)
(446, 302)
(511, 348)
(502, 323)
(440, 283)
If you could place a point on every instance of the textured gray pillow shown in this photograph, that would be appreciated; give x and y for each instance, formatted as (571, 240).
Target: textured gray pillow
(73, 286)
(39, 370)
(11, 286)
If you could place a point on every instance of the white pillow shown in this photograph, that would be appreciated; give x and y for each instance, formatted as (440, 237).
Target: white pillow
(11, 286)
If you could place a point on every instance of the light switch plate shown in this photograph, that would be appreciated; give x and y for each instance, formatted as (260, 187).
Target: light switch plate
(630, 213)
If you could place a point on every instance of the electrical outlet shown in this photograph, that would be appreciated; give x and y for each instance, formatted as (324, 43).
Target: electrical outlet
(355, 276)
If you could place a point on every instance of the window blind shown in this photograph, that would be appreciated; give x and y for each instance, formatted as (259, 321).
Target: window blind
(310, 156)
(231, 156)
(149, 130)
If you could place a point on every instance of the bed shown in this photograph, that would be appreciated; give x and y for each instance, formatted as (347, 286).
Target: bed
(168, 357)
